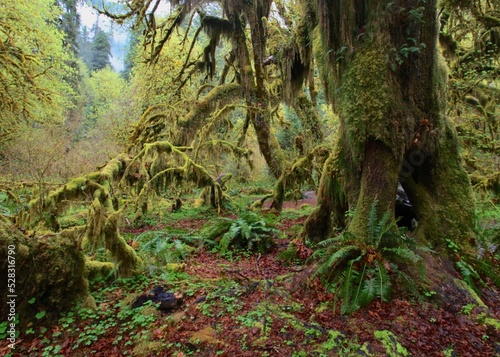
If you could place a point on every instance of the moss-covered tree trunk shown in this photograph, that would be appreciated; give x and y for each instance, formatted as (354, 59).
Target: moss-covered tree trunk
(387, 81)
(252, 77)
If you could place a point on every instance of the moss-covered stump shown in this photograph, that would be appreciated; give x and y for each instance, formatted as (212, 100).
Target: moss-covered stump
(49, 274)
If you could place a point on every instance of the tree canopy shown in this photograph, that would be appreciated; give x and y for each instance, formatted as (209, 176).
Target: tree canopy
(33, 66)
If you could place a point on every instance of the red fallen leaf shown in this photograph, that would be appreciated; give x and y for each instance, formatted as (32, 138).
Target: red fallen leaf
(373, 314)
(158, 333)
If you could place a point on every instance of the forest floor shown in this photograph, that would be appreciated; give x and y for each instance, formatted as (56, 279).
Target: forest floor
(246, 304)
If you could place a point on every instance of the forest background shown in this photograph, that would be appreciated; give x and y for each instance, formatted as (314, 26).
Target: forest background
(188, 113)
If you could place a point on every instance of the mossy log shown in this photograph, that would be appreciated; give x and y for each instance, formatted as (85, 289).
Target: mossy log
(49, 273)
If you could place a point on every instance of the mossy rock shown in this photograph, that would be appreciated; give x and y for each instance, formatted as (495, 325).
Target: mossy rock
(49, 274)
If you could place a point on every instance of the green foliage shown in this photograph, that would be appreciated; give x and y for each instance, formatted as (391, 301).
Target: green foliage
(249, 231)
(101, 50)
(33, 66)
(392, 346)
(481, 269)
(168, 245)
(359, 271)
(469, 274)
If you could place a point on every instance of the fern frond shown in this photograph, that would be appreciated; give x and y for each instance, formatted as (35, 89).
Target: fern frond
(214, 228)
(404, 254)
(383, 281)
(229, 236)
(357, 301)
(245, 228)
(369, 291)
(469, 274)
(331, 262)
(487, 268)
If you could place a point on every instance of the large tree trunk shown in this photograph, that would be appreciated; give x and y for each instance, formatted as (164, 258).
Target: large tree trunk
(388, 85)
(252, 79)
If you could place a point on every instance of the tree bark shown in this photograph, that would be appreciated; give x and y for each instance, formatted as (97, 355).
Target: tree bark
(252, 80)
(388, 84)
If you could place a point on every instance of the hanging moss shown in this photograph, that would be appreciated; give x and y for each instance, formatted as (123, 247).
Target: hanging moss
(126, 261)
(219, 95)
(309, 118)
(300, 172)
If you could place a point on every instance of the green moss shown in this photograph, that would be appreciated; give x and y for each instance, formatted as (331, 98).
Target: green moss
(463, 285)
(219, 95)
(492, 322)
(391, 344)
(146, 347)
(127, 261)
(49, 268)
(366, 100)
(89, 303)
(95, 269)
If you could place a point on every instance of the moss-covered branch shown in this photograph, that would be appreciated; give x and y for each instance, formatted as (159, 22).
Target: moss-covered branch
(102, 216)
(300, 172)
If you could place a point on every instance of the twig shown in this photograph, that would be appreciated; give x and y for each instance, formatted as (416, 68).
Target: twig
(257, 266)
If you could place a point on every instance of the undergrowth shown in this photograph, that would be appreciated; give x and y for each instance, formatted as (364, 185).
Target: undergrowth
(361, 271)
(249, 231)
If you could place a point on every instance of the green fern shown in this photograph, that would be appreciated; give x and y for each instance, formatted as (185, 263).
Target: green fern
(349, 278)
(402, 254)
(358, 270)
(487, 268)
(383, 282)
(469, 274)
(167, 246)
(214, 228)
(335, 259)
(229, 237)
(249, 231)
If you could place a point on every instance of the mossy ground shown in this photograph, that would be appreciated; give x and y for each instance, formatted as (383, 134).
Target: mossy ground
(246, 304)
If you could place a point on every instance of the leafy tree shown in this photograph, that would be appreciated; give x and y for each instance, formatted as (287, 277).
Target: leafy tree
(33, 65)
(109, 112)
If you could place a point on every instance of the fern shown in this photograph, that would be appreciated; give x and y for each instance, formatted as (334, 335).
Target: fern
(336, 259)
(249, 231)
(214, 228)
(229, 237)
(167, 246)
(403, 254)
(383, 282)
(358, 270)
(349, 279)
(469, 274)
(487, 268)
(360, 297)
(369, 292)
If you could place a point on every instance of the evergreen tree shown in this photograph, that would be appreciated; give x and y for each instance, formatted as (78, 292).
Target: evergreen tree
(84, 42)
(70, 23)
(101, 50)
